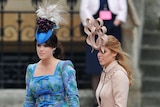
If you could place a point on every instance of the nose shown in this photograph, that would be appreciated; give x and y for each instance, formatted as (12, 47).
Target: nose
(40, 47)
(98, 54)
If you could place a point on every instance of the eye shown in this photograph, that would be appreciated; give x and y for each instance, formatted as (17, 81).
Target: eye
(104, 52)
(38, 45)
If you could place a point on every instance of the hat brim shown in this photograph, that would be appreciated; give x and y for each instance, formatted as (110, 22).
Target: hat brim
(42, 37)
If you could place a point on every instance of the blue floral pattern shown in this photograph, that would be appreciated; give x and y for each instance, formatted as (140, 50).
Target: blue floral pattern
(56, 90)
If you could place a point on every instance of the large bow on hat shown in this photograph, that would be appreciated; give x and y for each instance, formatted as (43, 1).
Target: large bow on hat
(95, 27)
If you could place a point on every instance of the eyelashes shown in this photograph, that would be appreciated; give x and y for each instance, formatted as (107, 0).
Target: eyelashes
(103, 52)
(45, 45)
(38, 45)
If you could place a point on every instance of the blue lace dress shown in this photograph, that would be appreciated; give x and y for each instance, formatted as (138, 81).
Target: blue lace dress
(56, 90)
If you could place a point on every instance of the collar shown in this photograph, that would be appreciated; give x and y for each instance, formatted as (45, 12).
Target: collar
(110, 66)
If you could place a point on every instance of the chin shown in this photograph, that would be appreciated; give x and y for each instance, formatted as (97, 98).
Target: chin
(101, 63)
(42, 58)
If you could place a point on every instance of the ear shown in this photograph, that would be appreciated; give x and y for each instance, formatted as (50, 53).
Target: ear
(114, 53)
(54, 49)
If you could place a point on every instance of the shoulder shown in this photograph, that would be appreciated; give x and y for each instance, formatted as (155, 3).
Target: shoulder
(66, 66)
(120, 80)
(30, 69)
(120, 74)
(65, 63)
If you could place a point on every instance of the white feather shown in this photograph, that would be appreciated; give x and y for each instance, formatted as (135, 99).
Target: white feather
(52, 12)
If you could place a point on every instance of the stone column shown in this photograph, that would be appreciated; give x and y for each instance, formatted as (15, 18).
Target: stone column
(132, 33)
(128, 46)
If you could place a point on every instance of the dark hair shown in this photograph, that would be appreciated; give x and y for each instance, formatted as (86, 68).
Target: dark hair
(53, 42)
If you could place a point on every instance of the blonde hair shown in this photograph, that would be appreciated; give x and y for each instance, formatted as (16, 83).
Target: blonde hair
(114, 45)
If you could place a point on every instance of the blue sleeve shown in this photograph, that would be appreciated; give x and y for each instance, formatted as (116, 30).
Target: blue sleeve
(68, 75)
(29, 100)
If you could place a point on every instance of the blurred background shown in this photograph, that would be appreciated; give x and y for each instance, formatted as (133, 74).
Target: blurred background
(141, 39)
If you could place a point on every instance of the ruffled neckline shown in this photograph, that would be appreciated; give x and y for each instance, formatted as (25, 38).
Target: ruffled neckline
(107, 72)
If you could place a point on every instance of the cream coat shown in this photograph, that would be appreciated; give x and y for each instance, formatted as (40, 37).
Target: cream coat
(89, 7)
(113, 87)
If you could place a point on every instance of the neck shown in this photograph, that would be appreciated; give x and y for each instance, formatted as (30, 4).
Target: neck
(47, 62)
(106, 66)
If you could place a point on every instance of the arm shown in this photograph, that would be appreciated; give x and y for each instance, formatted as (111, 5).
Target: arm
(85, 11)
(122, 11)
(29, 100)
(120, 83)
(70, 84)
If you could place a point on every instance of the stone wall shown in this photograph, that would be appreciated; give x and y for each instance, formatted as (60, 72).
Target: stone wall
(152, 15)
(150, 66)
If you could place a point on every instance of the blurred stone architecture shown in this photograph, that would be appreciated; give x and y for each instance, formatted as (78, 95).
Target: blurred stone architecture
(141, 39)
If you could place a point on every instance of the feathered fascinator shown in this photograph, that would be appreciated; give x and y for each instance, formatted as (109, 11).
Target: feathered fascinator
(48, 18)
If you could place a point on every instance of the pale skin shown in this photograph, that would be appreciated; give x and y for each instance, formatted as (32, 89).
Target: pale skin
(47, 62)
(106, 57)
(117, 22)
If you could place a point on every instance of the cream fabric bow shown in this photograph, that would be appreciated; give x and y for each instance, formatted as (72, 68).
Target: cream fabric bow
(95, 27)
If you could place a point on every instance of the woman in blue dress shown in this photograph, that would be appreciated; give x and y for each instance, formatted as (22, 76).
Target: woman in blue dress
(51, 82)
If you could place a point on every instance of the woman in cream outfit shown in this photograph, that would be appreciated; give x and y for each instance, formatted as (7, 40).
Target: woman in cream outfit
(116, 77)
(90, 9)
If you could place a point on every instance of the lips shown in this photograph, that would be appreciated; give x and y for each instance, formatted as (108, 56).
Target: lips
(100, 60)
(41, 54)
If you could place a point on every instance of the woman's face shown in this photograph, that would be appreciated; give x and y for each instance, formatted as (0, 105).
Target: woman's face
(106, 57)
(44, 51)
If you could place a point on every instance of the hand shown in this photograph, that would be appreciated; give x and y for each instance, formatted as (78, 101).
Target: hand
(117, 22)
